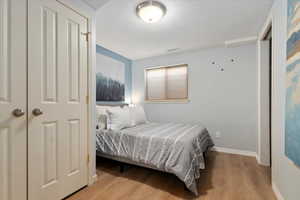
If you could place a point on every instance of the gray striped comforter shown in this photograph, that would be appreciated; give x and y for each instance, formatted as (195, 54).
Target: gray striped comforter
(171, 147)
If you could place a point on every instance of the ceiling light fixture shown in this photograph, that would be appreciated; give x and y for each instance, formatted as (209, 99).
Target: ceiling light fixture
(151, 11)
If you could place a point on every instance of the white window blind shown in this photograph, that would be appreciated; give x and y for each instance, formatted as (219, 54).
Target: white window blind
(167, 83)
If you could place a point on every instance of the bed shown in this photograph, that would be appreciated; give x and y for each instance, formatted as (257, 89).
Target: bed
(170, 147)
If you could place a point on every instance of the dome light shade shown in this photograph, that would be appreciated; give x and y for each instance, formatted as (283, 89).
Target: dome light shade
(151, 11)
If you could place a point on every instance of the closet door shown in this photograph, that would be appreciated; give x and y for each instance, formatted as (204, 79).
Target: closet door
(57, 103)
(13, 138)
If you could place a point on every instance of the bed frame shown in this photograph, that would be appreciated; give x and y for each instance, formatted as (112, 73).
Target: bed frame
(127, 161)
(131, 162)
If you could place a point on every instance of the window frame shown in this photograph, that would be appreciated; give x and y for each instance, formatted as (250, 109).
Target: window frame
(179, 100)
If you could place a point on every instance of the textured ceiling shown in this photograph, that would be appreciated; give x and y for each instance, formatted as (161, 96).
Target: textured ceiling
(188, 24)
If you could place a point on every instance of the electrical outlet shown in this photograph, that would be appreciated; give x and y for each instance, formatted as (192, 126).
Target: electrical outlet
(218, 134)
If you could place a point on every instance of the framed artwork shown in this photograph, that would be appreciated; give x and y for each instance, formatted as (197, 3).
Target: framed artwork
(292, 115)
(110, 79)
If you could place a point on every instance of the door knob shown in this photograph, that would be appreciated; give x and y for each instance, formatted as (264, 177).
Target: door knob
(18, 112)
(37, 112)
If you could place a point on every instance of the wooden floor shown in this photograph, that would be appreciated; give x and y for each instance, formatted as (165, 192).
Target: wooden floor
(227, 177)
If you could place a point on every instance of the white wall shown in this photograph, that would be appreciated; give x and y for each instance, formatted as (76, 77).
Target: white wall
(285, 175)
(222, 101)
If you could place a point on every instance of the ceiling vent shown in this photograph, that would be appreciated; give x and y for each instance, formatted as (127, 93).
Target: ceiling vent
(173, 50)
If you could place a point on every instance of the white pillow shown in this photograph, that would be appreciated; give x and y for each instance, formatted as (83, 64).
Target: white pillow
(101, 110)
(137, 115)
(118, 118)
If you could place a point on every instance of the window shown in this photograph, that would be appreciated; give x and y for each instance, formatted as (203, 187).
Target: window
(167, 83)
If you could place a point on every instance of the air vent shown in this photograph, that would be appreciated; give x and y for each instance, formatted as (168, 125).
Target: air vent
(240, 42)
(173, 50)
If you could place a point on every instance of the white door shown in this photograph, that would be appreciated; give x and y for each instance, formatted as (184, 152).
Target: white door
(57, 104)
(13, 138)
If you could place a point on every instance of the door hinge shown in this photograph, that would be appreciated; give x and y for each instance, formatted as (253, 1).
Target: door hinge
(87, 35)
(87, 99)
(88, 159)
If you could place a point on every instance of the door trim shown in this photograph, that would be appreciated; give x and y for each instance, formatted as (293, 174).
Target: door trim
(265, 31)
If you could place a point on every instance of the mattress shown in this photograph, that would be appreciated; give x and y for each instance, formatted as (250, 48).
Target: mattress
(171, 147)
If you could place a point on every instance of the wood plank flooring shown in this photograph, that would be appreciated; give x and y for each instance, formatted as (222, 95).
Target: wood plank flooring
(227, 177)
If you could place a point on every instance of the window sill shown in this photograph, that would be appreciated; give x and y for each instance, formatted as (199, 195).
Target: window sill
(178, 101)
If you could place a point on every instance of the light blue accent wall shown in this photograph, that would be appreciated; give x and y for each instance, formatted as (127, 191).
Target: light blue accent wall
(128, 71)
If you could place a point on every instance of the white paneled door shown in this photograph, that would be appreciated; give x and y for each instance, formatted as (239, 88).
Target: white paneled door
(13, 138)
(57, 103)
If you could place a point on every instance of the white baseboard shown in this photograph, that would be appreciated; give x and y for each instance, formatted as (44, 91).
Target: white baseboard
(277, 192)
(235, 151)
(93, 179)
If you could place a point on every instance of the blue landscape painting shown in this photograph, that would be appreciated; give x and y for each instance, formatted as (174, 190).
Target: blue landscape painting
(110, 79)
(292, 117)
